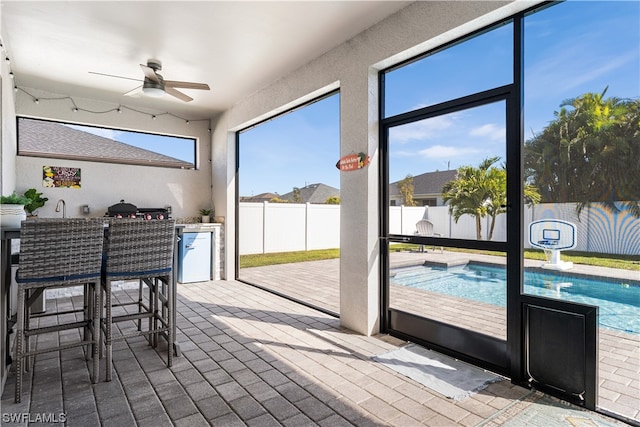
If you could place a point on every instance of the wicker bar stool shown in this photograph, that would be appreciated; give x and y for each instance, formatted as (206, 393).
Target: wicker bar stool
(57, 253)
(139, 250)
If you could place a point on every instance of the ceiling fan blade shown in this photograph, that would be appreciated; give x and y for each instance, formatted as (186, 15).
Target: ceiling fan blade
(111, 75)
(149, 73)
(186, 85)
(173, 92)
(134, 91)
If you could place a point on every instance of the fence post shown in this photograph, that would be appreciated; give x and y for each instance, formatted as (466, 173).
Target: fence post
(307, 206)
(265, 205)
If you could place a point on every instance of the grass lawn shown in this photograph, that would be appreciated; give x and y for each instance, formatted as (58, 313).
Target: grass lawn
(623, 262)
(260, 260)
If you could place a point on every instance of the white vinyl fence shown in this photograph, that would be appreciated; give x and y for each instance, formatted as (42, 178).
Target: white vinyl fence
(285, 227)
(279, 227)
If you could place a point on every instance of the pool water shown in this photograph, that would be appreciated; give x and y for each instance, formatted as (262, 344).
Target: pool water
(619, 301)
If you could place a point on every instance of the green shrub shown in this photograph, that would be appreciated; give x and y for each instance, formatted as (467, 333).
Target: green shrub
(14, 199)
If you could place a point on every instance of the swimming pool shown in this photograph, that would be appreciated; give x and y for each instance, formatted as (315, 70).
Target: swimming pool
(619, 300)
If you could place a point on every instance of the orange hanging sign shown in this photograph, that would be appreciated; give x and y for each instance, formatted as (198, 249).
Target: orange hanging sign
(353, 162)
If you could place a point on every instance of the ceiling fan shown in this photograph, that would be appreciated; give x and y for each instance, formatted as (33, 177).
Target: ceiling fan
(155, 85)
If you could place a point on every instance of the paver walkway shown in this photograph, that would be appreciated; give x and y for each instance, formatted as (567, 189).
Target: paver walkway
(252, 358)
(317, 283)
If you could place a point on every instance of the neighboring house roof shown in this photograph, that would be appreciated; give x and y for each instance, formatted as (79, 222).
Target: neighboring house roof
(51, 139)
(262, 197)
(314, 193)
(429, 183)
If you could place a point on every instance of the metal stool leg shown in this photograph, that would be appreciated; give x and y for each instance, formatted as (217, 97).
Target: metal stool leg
(169, 318)
(107, 327)
(19, 343)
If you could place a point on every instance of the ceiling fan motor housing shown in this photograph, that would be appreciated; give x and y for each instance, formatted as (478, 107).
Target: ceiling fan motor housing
(148, 83)
(155, 64)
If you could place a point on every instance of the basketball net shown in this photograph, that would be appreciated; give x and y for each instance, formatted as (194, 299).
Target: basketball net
(548, 254)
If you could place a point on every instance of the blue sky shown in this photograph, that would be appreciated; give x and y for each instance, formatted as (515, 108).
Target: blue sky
(292, 150)
(571, 48)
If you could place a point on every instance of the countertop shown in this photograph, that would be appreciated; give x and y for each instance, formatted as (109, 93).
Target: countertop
(195, 228)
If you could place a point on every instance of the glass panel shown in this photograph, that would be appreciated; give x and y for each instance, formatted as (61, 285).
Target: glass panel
(463, 288)
(42, 138)
(473, 65)
(582, 109)
(289, 207)
(454, 161)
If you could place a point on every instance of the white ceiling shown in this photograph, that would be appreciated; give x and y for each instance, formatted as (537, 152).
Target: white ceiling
(236, 47)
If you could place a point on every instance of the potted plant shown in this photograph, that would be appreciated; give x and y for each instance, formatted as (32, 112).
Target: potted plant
(206, 214)
(12, 210)
(35, 201)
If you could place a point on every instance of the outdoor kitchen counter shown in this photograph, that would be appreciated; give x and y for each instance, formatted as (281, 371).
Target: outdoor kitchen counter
(217, 244)
(197, 228)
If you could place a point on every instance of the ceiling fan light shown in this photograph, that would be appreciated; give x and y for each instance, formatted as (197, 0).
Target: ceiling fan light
(153, 91)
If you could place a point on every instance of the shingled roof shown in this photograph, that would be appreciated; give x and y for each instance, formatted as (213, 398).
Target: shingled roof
(50, 139)
(259, 198)
(314, 193)
(429, 183)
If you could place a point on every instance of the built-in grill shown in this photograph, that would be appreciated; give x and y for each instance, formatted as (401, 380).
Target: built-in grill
(128, 210)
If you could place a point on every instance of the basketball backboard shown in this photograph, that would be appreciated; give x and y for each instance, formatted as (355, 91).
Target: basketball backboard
(553, 234)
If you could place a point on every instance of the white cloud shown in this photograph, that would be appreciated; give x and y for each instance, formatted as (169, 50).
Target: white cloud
(491, 131)
(567, 68)
(421, 130)
(446, 152)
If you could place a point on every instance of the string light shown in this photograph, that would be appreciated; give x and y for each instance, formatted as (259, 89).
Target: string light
(76, 108)
(118, 109)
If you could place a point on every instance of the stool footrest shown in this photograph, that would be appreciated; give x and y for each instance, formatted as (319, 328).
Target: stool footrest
(57, 313)
(58, 348)
(132, 316)
(55, 328)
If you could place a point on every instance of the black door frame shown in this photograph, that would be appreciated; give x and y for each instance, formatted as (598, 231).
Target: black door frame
(483, 350)
(509, 357)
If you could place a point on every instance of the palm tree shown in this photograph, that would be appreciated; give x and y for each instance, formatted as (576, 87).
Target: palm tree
(470, 193)
(589, 153)
(482, 192)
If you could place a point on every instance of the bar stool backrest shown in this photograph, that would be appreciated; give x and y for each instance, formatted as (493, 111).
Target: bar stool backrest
(139, 248)
(60, 250)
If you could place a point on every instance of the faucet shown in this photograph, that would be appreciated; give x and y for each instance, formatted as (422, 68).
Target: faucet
(64, 208)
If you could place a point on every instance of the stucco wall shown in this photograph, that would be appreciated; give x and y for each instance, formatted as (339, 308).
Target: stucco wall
(104, 184)
(353, 68)
(7, 133)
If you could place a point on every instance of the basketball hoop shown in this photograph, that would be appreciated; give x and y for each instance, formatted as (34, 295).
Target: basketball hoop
(553, 236)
